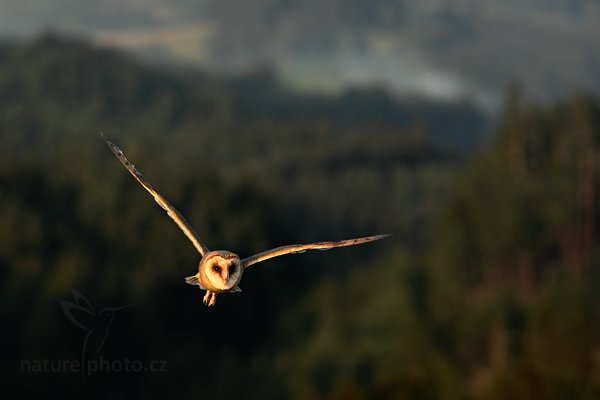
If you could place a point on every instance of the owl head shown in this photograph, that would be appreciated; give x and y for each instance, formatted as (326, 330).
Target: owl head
(223, 269)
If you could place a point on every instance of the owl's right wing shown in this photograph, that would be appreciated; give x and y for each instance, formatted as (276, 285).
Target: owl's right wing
(301, 248)
(171, 211)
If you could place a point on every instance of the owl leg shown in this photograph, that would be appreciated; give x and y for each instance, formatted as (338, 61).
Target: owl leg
(207, 297)
(210, 298)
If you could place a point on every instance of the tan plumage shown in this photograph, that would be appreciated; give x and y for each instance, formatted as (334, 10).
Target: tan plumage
(171, 211)
(221, 271)
(301, 248)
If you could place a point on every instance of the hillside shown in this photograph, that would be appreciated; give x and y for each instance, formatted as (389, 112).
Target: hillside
(488, 288)
(250, 166)
(446, 50)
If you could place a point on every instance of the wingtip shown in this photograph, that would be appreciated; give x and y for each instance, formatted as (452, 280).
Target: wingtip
(106, 139)
(380, 236)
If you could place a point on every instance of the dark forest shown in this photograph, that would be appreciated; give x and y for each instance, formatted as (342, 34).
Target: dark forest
(488, 288)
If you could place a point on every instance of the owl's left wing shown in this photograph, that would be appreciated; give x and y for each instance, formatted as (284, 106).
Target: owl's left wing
(301, 248)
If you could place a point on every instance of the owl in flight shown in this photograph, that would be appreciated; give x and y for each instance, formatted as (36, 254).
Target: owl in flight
(220, 271)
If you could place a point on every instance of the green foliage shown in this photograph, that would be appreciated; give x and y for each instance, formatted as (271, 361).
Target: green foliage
(368, 336)
(518, 242)
(72, 218)
(490, 292)
(502, 304)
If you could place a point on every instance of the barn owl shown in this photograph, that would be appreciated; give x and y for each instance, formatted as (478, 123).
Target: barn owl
(221, 271)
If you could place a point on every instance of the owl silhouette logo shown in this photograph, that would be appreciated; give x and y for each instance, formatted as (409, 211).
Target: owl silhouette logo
(95, 324)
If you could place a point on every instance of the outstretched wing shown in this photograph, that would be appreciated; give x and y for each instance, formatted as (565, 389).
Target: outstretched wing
(301, 248)
(173, 213)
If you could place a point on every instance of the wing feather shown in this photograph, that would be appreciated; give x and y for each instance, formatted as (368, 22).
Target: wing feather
(171, 211)
(301, 248)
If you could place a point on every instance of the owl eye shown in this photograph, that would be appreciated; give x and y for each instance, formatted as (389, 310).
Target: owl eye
(232, 270)
(217, 269)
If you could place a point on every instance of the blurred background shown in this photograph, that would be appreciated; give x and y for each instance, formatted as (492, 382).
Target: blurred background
(468, 129)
